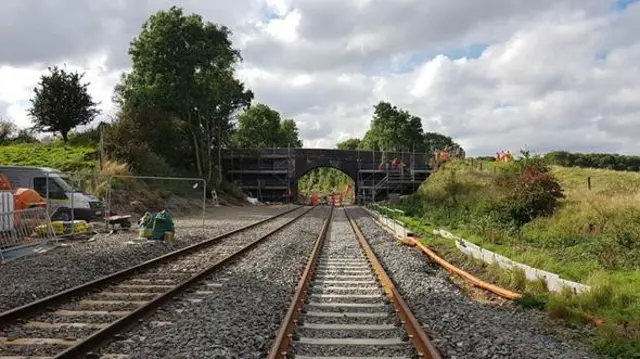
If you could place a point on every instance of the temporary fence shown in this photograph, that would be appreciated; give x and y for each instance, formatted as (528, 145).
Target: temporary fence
(392, 213)
(80, 202)
(128, 198)
(24, 227)
(69, 203)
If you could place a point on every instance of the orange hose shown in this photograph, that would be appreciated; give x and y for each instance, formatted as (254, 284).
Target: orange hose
(504, 293)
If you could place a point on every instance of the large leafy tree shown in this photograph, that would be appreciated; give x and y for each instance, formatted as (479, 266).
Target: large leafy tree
(350, 144)
(184, 66)
(61, 102)
(394, 129)
(437, 142)
(260, 126)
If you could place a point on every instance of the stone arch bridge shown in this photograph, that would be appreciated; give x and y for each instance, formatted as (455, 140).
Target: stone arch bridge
(268, 174)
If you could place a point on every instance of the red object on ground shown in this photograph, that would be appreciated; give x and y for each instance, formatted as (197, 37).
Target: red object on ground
(332, 200)
(314, 199)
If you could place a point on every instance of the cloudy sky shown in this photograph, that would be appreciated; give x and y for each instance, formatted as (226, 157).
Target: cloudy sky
(492, 74)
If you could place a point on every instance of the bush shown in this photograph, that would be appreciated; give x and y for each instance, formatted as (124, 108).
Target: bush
(413, 206)
(532, 193)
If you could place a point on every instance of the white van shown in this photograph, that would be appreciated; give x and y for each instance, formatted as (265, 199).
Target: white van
(62, 195)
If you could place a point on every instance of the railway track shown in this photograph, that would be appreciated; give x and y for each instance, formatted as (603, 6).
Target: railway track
(72, 323)
(346, 306)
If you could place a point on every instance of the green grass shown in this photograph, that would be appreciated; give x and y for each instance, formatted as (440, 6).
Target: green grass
(593, 238)
(54, 155)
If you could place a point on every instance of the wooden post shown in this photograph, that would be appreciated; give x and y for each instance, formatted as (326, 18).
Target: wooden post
(589, 183)
(101, 128)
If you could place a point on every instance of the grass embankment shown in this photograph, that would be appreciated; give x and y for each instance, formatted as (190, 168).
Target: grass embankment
(592, 237)
(55, 155)
(79, 160)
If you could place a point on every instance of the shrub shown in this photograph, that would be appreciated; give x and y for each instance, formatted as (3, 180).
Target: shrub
(528, 194)
(413, 206)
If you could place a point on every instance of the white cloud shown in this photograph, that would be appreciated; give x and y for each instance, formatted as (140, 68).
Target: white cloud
(553, 74)
(286, 28)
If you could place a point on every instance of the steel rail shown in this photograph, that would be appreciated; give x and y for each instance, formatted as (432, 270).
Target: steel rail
(285, 333)
(416, 334)
(29, 309)
(103, 335)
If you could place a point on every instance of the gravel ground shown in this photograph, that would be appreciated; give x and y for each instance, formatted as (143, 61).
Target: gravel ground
(237, 311)
(460, 327)
(29, 278)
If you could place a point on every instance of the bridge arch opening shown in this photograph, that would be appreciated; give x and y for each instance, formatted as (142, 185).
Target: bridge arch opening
(325, 180)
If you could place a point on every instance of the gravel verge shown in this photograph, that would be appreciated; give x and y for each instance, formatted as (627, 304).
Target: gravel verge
(459, 326)
(33, 277)
(237, 311)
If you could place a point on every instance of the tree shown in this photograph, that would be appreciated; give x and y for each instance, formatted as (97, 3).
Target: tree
(394, 129)
(289, 134)
(62, 102)
(437, 142)
(7, 131)
(185, 67)
(260, 126)
(350, 144)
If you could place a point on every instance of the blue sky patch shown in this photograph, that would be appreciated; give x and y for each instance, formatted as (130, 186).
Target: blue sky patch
(471, 52)
(501, 105)
(267, 14)
(419, 58)
(620, 5)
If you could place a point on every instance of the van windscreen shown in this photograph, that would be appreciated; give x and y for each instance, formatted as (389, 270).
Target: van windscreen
(64, 182)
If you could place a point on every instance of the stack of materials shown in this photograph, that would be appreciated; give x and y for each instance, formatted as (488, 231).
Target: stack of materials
(156, 226)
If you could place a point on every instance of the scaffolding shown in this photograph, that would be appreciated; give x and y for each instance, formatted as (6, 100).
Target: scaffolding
(386, 172)
(262, 173)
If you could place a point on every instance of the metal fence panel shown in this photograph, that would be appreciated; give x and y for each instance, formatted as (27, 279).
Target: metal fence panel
(25, 227)
(183, 198)
(6, 205)
(70, 199)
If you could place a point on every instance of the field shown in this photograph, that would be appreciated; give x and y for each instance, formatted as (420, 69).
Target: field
(593, 237)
